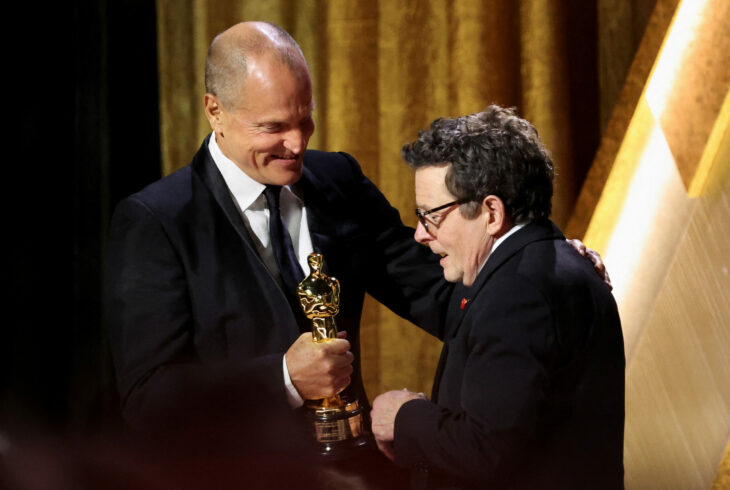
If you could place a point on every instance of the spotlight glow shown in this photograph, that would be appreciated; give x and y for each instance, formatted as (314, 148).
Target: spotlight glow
(687, 20)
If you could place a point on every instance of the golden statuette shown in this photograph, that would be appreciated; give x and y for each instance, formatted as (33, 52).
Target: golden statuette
(337, 420)
(319, 296)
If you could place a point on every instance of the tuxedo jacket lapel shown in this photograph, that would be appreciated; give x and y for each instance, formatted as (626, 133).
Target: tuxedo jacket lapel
(462, 296)
(322, 228)
(206, 168)
(532, 232)
(454, 314)
(204, 165)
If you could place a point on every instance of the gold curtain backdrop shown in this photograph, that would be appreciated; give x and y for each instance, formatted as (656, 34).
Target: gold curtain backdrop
(382, 71)
(579, 70)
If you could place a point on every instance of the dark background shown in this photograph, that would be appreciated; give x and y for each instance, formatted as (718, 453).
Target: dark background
(83, 78)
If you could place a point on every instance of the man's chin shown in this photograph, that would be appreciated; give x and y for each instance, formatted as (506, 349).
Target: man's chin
(286, 176)
(451, 276)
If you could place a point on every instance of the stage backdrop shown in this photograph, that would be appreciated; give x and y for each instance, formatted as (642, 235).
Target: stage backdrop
(579, 70)
(384, 70)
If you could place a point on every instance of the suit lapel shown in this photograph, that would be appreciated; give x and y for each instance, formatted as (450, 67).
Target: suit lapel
(205, 167)
(461, 298)
(454, 315)
(322, 228)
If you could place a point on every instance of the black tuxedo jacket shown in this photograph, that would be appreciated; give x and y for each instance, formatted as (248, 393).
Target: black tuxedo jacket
(190, 302)
(529, 392)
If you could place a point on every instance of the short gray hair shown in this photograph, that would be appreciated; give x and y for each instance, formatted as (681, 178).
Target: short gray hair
(228, 56)
(493, 152)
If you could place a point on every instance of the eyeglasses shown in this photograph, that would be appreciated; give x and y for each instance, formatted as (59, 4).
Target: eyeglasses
(436, 219)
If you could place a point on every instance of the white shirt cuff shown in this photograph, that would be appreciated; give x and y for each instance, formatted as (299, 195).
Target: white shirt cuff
(292, 395)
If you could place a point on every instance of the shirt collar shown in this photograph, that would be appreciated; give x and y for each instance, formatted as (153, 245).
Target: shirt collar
(499, 241)
(244, 189)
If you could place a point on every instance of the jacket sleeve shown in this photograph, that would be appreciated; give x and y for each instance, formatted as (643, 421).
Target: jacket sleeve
(402, 274)
(504, 382)
(151, 324)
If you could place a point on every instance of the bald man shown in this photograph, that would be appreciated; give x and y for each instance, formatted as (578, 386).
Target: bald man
(197, 296)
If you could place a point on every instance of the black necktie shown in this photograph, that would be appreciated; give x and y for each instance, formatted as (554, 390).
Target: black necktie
(286, 259)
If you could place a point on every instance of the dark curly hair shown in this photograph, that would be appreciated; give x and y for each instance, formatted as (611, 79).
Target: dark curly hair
(493, 152)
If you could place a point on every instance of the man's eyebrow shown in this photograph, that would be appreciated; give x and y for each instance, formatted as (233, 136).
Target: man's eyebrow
(268, 122)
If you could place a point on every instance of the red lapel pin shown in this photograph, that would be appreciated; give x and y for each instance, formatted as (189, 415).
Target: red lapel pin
(464, 301)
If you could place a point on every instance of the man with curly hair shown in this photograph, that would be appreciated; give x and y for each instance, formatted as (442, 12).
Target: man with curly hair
(529, 392)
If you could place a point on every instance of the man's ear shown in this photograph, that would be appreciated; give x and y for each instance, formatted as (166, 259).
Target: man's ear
(213, 111)
(497, 220)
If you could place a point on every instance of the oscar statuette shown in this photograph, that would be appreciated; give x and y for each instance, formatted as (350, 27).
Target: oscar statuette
(337, 420)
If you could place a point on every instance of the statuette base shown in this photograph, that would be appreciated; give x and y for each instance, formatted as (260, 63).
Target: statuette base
(338, 427)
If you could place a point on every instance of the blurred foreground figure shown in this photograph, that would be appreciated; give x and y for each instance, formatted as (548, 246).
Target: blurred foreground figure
(529, 391)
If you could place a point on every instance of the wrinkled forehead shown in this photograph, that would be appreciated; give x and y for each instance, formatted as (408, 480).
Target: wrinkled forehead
(271, 84)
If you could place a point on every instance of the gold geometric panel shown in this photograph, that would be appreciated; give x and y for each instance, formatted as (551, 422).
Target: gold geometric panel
(700, 83)
(678, 375)
(656, 205)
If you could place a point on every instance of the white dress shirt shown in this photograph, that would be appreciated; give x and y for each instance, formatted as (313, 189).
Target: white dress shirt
(251, 203)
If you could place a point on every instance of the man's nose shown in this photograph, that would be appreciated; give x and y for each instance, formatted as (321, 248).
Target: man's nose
(295, 141)
(421, 235)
